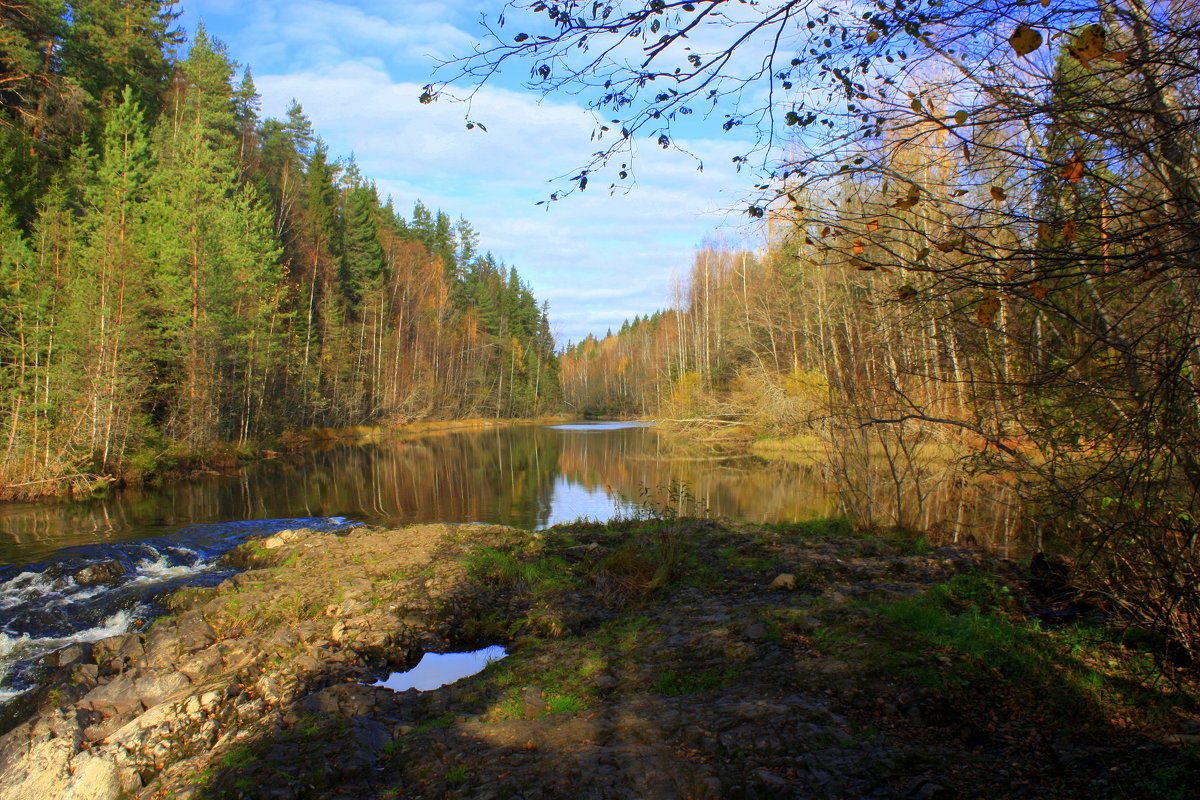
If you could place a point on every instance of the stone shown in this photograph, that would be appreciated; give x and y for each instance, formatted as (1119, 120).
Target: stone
(756, 631)
(93, 778)
(157, 687)
(201, 663)
(117, 651)
(783, 581)
(533, 701)
(112, 698)
(604, 682)
(194, 631)
(73, 654)
(238, 653)
(103, 573)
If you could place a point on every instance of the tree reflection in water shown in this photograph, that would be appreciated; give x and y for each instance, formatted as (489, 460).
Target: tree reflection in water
(529, 476)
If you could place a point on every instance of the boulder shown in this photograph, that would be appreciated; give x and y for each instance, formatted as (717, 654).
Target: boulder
(156, 687)
(102, 573)
(116, 697)
(784, 580)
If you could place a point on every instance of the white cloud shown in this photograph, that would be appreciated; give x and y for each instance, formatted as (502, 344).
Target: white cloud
(598, 258)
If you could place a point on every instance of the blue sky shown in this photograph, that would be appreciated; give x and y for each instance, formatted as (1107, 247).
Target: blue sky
(357, 67)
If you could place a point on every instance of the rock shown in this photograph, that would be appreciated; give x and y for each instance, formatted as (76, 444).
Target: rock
(156, 688)
(115, 652)
(784, 580)
(356, 587)
(93, 778)
(238, 653)
(286, 537)
(74, 654)
(194, 631)
(117, 697)
(201, 663)
(925, 789)
(533, 701)
(102, 573)
(604, 682)
(756, 631)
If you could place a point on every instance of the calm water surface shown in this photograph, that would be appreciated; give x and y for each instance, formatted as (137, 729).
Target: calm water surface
(528, 476)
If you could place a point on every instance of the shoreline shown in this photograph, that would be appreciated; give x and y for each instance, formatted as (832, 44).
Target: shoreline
(228, 457)
(663, 658)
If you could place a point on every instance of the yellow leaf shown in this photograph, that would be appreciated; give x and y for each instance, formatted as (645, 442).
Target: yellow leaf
(985, 312)
(914, 196)
(960, 117)
(872, 36)
(998, 194)
(1073, 171)
(1025, 40)
(1088, 44)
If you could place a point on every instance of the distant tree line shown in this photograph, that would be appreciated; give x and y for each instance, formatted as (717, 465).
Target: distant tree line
(176, 272)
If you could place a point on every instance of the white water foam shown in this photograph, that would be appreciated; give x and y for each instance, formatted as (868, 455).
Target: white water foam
(23, 588)
(152, 570)
(25, 648)
(7, 694)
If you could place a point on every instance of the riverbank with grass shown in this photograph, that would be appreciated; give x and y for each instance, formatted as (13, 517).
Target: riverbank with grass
(645, 659)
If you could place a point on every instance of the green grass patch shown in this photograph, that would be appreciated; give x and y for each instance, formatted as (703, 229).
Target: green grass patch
(434, 723)
(565, 703)
(499, 568)
(814, 529)
(239, 757)
(675, 683)
(751, 560)
(970, 634)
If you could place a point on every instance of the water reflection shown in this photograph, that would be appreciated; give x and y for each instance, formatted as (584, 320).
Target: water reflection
(529, 476)
(439, 669)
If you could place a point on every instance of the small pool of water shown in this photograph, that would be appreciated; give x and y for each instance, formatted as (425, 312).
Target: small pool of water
(439, 669)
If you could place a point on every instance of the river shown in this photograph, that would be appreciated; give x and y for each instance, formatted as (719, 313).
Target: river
(150, 541)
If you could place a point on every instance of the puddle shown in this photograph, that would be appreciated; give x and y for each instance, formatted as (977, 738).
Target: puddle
(439, 669)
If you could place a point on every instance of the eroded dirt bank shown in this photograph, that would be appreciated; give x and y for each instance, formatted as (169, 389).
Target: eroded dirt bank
(663, 659)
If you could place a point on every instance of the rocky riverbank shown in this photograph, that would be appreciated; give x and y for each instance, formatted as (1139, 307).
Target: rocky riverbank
(660, 659)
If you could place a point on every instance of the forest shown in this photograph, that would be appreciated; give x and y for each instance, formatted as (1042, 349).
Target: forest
(982, 241)
(179, 274)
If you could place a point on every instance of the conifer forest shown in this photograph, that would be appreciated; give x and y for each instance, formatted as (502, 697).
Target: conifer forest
(177, 272)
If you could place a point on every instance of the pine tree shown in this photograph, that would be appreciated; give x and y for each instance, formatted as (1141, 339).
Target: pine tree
(114, 44)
